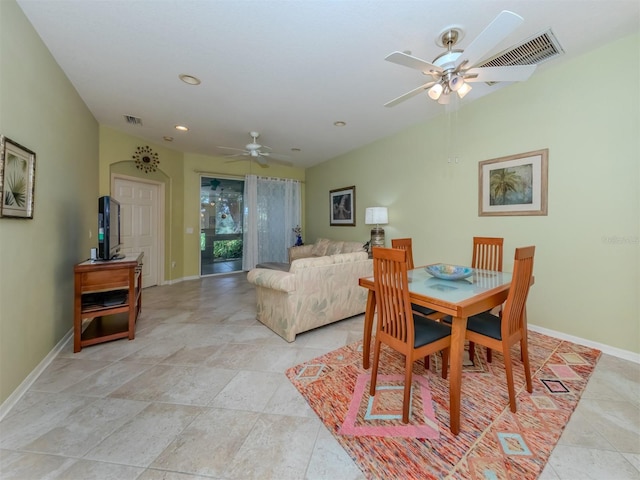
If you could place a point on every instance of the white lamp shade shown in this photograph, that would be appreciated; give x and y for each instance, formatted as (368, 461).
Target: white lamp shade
(376, 216)
(435, 91)
(463, 90)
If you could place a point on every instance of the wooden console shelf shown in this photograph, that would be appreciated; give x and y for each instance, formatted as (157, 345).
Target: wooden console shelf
(109, 294)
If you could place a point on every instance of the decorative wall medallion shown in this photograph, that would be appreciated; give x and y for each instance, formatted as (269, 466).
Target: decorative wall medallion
(146, 159)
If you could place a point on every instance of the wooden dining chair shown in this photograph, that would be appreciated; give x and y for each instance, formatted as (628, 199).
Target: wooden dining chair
(501, 332)
(406, 245)
(487, 255)
(412, 335)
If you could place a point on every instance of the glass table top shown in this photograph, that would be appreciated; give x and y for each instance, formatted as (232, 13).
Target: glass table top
(455, 291)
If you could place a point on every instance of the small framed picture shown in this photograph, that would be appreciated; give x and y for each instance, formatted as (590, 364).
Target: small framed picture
(513, 185)
(342, 207)
(17, 179)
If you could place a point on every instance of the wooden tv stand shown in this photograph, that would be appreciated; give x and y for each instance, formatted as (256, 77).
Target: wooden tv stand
(109, 295)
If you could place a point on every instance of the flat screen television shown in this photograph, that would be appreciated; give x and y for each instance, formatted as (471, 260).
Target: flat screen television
(109, 240)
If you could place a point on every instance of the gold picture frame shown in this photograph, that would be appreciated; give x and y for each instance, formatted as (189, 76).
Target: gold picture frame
(17, 179)
(513, 185)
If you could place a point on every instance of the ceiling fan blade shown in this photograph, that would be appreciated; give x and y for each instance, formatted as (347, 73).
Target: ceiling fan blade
(501, 27)
(408, 95)
(232, 148)
(516, 73)
(410, 61)
(272, 159)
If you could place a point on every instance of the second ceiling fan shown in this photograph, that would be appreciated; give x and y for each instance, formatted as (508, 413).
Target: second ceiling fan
(454, 70)
(255, 152)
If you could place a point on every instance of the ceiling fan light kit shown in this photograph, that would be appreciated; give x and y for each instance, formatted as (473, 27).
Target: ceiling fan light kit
(453, 70)
(435, 91)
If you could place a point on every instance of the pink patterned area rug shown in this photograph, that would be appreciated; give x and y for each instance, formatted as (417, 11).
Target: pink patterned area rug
(492, 443)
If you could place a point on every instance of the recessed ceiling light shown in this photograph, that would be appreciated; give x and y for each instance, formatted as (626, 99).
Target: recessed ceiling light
(167, 138)
(190, 79)
(182, 128)
(339, 123)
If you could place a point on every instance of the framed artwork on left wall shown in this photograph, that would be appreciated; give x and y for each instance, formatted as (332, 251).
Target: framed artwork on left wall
(17, 179)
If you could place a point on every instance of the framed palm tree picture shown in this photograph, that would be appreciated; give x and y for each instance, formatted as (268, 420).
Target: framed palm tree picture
(513, 185)
(17, 179)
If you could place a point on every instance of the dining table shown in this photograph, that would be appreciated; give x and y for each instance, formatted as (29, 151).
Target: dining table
(481, 291)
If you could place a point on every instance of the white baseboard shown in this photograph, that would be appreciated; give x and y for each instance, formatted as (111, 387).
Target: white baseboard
(609, 350)
(8, 404)
(180, 280)
(17, 394)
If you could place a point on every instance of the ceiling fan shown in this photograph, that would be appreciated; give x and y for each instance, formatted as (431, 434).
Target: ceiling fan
(455, 69)
(253, 150)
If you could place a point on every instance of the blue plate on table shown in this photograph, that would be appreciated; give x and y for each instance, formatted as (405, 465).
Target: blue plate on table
(448, 272)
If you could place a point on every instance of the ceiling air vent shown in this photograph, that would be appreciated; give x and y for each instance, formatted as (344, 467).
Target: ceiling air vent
(534, 51)
(131, 120)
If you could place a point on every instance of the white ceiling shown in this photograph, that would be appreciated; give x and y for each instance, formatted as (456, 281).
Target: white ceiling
(286, 68)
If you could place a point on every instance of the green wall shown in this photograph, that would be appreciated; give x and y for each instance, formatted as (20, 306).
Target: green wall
(587, 248)
(193, 164)
(587, 260)
(41, 110)
(116, 152)
(180, 172)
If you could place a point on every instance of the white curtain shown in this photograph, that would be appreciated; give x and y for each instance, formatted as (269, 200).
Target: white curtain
(272, 210)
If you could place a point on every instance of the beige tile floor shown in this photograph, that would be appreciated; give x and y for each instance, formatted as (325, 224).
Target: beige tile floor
(201, 393)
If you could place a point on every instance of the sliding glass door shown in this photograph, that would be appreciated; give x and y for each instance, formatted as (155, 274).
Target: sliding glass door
(221, 219)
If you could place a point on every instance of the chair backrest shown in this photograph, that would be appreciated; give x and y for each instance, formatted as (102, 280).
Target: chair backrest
(404, 244)
(487, 253)
(392, 294)
(513, 317)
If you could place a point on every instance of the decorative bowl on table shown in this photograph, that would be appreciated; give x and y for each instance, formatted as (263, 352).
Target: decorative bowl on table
(448, 272)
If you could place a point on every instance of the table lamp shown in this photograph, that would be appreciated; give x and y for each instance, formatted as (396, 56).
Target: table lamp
(376, 216)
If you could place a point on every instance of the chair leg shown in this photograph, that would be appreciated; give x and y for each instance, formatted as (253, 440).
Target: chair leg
(445, 362)
(426, 363)
(374, 369)
(524, 352)
(472, 352)
(407, 388)
(508, 368)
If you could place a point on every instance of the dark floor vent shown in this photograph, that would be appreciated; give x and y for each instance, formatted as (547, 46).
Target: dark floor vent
(534, 51)
(131, 120)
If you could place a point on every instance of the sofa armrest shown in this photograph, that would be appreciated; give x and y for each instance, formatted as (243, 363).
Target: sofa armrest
(302, 251)
(273, 279)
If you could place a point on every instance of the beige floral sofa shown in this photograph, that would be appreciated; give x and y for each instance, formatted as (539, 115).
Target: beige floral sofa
(317, 289)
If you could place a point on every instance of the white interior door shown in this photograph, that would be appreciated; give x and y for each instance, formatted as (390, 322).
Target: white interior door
(139, 224)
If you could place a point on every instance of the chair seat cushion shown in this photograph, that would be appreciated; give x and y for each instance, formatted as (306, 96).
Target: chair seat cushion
(428, 331)
(422, 310)
(484, 323)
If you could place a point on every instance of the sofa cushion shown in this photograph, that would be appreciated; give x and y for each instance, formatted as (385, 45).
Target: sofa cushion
(320, 247)
(350, 247)
(309, 262)
(349, 257)
(334, 247)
